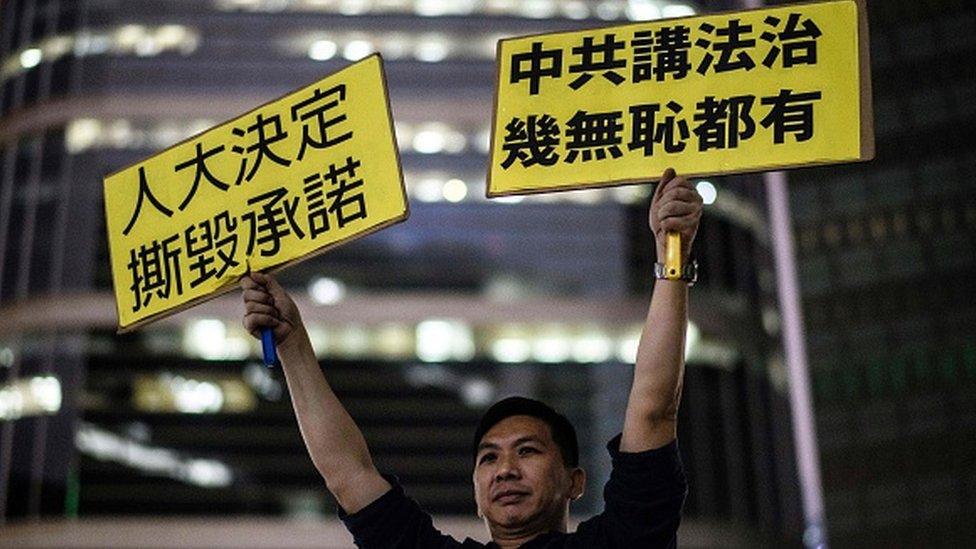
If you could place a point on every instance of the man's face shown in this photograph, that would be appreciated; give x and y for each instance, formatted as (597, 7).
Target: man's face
(520, 481)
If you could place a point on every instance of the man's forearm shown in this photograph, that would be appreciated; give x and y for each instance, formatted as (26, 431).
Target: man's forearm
(334, 442)
(651, 419)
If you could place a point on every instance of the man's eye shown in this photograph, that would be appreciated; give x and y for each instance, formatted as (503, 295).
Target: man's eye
(487, 458)
(525, 450)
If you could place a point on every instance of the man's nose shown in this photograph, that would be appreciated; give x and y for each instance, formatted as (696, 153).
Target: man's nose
(507, 468)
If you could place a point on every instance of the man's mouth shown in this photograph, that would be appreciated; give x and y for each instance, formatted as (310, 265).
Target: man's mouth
(506, 497)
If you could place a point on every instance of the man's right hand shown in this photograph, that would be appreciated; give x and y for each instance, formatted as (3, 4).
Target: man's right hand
(676, 206)
(268, 305)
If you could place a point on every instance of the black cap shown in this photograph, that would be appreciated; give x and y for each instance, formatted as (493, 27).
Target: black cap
(563, 432)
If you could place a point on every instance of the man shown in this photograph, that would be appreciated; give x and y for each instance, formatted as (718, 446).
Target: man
(526, 469)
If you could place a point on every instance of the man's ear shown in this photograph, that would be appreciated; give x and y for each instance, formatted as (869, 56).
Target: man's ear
(577, 480)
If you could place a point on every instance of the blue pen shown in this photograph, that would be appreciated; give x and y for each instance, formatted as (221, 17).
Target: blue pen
(268, 347)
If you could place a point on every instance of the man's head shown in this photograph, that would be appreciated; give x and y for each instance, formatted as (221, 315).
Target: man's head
(526, 468)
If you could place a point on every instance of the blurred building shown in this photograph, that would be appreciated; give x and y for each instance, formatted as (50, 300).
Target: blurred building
(887, 258)
(422, 325)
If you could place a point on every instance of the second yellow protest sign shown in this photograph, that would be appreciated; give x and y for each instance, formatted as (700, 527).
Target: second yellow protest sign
(716, 94)
(306, 172)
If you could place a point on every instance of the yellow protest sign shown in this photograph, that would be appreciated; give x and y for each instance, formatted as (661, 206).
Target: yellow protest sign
(716, 94)
(292, 178)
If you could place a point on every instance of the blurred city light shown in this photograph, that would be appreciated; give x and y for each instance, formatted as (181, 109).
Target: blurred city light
(354, 7)
(357, 49)
(127, 37)
(6, 357)
(430, 140)
(643, 10)
(323, 50)
(205, 338)
(352, 341)
(537, 9)
(428, 189)
(455, 190)
(477, 392)
(259, 379)
(441, 340)
(30, 58)
(394, 341)
(185, 394)
(531, 9)
(677, 10)
(39, 395)
(107, 446)
(552, 345)
(327, 291)
(627, 347)
(592, 346)
(692, 338)
(432, 49)
(196, 397)
(511, 350)
(210, 339)
(575, 9)
(707, 191)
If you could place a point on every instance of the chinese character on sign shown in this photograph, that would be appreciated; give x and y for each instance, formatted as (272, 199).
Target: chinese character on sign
(274, 221)
(537, 67)
(145, 193)
(345, 204)
(790, 113)
(598, 57)
(211, 241)
(267, 131)
(646, 131)
(199, 162)
(532, 141)
(662, 54)
(334, 193)
(799, 46)
(593, 134)
(722, 123)
(155, 270)
(734, 44)
(318, 214)
(314, 109)
(642, 65)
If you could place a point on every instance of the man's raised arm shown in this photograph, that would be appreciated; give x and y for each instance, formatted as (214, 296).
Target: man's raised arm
(334, 442)
(652, 410)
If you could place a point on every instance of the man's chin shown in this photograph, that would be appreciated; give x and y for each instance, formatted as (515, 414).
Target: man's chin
(513, 516)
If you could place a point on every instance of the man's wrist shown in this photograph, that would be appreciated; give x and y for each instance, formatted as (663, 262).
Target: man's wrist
(296, 343)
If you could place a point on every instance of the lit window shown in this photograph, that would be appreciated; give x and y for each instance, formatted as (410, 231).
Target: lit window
(455, 190)
(30, 58)
(432, 49)
(677, 10)
(357, 49)
(643, 10)
(322, 50)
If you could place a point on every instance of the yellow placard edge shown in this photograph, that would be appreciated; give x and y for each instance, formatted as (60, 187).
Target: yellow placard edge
(259, 107)
(221, 291)
(656, 177)
(867, 100)
(867, 148)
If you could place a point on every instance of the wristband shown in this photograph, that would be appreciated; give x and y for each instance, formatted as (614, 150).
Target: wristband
(689, 272)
